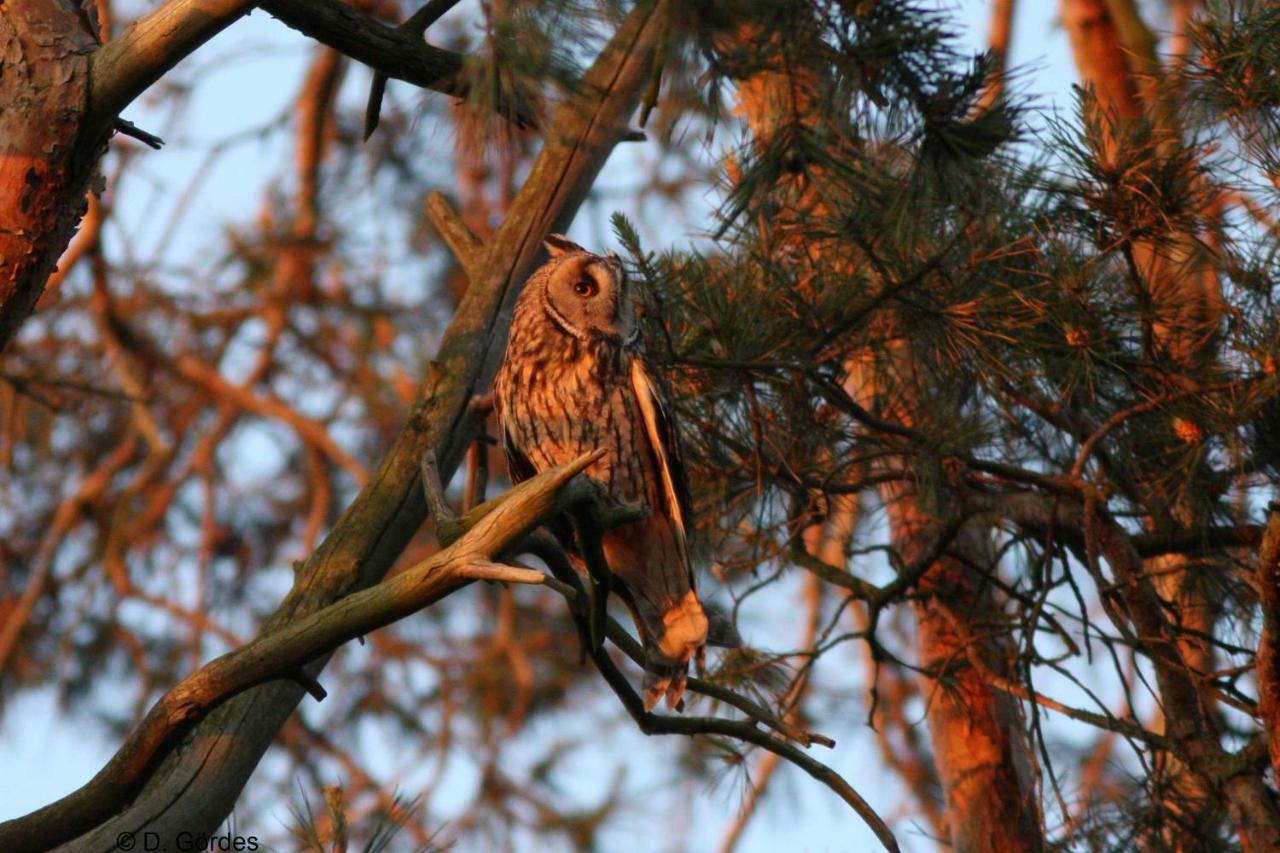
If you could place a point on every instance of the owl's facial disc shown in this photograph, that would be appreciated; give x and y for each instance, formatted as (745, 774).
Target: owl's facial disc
(586, 296)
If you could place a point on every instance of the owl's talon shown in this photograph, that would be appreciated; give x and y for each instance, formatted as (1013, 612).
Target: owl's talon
(675, 694)
(655, 687)
(669, 683)
(611, 517)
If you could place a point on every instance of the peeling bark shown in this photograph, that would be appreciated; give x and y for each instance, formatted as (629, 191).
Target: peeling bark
(1268, 663)
(44, 168)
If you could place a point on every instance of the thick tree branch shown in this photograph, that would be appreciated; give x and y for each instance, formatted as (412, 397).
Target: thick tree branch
(386, 49)
(394, 52)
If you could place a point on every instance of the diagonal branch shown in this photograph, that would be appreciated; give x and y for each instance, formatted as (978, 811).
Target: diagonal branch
(780, 742)
(391, 51)
(130, 63)
(744, 730)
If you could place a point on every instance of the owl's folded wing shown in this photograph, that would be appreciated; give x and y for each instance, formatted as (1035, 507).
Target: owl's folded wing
(664, 446)
(518, 465)
(519, 469)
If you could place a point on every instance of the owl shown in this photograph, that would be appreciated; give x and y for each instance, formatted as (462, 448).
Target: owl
(574, 379)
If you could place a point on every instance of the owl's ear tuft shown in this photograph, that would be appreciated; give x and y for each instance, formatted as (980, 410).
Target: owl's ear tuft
(558, 244)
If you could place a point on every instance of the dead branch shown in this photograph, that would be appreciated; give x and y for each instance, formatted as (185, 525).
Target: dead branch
(392, 51)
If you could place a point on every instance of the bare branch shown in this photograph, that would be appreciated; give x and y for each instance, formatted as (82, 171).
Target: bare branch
(394, 52)
(286, 652)
(464, 244)
(745, 730)
(416, 26)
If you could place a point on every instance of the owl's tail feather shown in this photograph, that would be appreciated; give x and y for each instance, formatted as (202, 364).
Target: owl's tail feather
(683, 629)
(670, 640)
(668, 682)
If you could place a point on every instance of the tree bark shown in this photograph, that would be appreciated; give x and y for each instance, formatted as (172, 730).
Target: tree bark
(998, 38)
(44, 167)
(1268, 663)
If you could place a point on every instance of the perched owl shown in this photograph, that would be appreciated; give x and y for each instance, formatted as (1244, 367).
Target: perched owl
(573, 380)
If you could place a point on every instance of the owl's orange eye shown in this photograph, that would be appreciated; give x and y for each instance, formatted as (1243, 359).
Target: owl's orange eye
(586, 287)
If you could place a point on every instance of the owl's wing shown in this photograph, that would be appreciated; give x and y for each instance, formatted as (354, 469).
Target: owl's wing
(519, 468)
(518, 465)
(664, 445)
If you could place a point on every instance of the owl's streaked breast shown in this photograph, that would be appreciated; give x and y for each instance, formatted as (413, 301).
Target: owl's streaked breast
(562, 398)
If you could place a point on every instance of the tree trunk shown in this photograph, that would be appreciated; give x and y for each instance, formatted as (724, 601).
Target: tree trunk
(979, 748)
(44, 167)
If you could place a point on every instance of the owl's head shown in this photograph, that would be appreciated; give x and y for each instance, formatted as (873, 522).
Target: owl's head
(585, 295)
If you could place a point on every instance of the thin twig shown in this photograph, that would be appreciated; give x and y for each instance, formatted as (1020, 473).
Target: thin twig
(416, 26)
